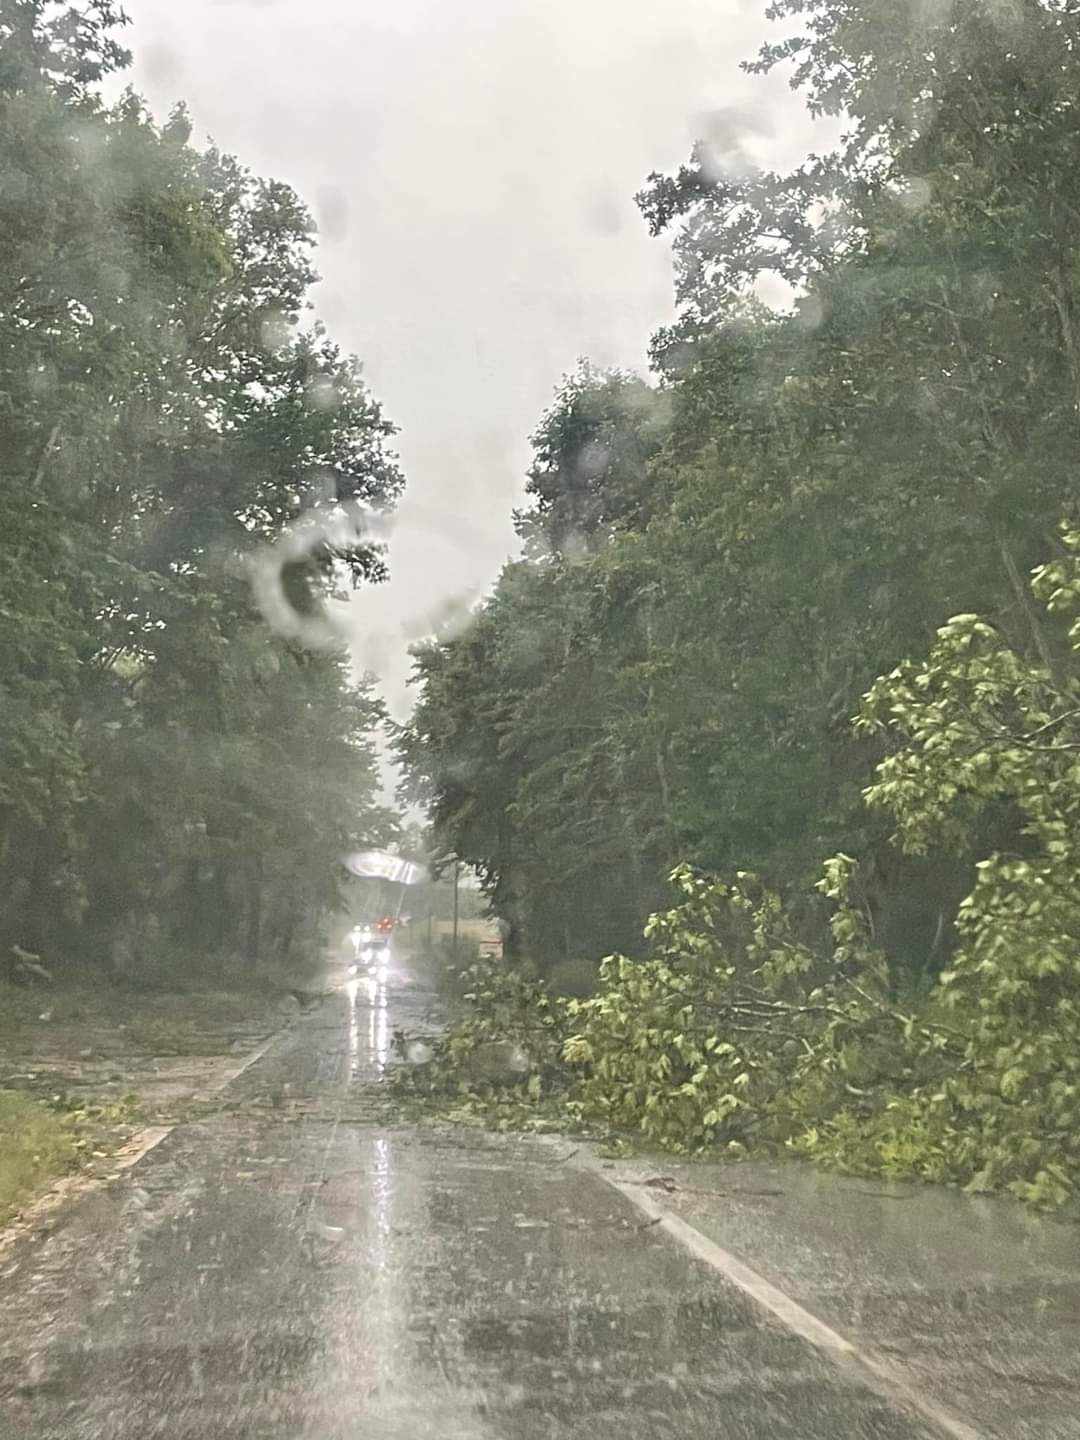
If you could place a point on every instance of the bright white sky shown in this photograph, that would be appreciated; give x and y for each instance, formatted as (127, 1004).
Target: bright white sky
(472, 164)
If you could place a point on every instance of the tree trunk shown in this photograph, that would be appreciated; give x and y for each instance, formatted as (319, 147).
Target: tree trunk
(255, 915)
(1023, 595)
(50, 444)
(659, 755)
(457, 873)
(287, 933)
(1063, 304)
(630, 830)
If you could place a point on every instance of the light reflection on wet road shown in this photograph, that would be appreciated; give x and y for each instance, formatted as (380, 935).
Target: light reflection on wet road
(293, 1268)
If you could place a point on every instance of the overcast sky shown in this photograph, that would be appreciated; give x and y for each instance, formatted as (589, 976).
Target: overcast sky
(472, 164)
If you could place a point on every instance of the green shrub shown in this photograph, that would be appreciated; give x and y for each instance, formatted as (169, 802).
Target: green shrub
(734, 1032)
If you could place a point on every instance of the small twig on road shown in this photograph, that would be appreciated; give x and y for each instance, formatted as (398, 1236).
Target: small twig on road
(667, 1183)
(670, 1185)
(729, 1194)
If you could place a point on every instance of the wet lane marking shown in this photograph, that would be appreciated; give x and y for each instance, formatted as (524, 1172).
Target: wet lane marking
(886, 1380)
(73, 1187)
(140, 1144)
(235, 1071)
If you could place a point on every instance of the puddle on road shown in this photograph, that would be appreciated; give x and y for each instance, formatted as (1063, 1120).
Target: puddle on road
(368, 994)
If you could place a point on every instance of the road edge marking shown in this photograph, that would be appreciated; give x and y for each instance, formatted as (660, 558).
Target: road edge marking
(69, 1188)
(235, 1071)
(885, 1379)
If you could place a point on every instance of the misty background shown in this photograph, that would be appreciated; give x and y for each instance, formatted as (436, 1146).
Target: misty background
(472, 167)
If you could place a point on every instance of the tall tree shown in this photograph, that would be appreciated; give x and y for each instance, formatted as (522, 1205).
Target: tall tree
(169, 771)
(729, 561)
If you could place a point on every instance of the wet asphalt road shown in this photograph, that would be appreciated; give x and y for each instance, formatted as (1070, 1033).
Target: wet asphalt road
(291, 1266)
(977, 1298)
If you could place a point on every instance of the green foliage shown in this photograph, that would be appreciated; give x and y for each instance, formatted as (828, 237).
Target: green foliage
(509, 1031)
(540, 741)
(174, 780)
(590, 476)
(716, 567)
(733, 1031)
(36, 1145)
(981, 727)
(737, 1030)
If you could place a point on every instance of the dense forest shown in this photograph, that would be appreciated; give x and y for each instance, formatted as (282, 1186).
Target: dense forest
(716, 565)
(178, 780)
(779, 708)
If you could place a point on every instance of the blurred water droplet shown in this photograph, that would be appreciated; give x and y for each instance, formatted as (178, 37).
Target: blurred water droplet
(916, 194)
(322, 394)
(275, 330)
(340, 530)
(332, 209)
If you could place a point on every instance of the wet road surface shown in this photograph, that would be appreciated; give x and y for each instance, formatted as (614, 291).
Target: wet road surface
(976, 1299)
(292, 1266)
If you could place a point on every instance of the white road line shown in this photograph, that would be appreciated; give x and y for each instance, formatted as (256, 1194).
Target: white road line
(235, 1071)
(139, 1145)
(884, 1378)
(73, 1187)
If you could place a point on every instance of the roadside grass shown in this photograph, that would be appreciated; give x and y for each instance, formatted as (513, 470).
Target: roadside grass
(79, 1061)
(44, 1138)
(204, 1023)
(47, 1019)
(37, 1145)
